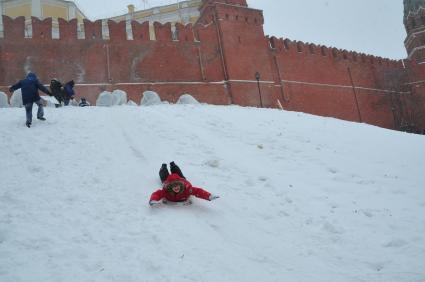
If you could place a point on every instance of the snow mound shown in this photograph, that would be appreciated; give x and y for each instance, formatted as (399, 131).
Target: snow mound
(105, 99)
(3, 100)
(74, 103)
(49, 101)
(187, 99)
(120, 97)
(150, 98)
(131, 103)
(16, 99)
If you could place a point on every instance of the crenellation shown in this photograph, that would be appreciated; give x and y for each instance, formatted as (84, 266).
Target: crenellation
(325, 51)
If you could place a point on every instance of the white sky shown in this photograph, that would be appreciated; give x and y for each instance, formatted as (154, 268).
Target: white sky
(370, 26)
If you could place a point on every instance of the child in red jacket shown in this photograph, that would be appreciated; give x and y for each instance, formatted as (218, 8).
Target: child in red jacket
(176, 188)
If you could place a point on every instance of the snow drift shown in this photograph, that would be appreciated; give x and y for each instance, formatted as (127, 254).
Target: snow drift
(3, 100)
(187, 99)
(16, 99)
(120, 97)
(150, 98)
(105, 99)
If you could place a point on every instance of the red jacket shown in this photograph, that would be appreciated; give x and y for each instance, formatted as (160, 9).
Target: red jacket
(183, 195)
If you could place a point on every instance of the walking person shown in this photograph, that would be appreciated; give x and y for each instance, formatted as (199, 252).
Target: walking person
(29, 88)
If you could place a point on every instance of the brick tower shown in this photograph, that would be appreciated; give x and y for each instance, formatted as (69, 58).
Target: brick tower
(414, 21)
(243, 48)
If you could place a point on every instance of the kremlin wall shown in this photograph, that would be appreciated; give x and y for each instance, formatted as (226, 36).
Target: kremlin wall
(216, 60)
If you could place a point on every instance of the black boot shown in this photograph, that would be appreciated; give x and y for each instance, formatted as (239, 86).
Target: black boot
(163, 173)
(28, 124)
(175, 169)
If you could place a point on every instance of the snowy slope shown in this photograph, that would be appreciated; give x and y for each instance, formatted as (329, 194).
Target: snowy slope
(303, 198)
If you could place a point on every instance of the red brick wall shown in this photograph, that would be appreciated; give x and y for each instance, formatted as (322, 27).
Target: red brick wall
(95, 64)
(327, 82)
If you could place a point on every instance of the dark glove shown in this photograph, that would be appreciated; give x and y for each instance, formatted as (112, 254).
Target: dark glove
(50, 94)
(11, 90)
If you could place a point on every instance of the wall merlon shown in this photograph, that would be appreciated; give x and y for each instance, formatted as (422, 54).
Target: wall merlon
(163, 31)
(93, 30)
(300, 46)
(315, 49)
(41, 29)
(324, 51)
(140, 31)
(185, 32)
(13, 29)
(273, 43)
(68, 29)
(117, 30)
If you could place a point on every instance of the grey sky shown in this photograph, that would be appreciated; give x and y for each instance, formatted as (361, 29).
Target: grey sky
(369, 26)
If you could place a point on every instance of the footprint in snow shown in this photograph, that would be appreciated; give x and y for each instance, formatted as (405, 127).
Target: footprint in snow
(332, 170)
(213, 163)
(330, 228)
(395, 243)
(377, 266)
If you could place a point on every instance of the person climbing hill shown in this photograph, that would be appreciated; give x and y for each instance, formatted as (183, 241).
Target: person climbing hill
(29, 88)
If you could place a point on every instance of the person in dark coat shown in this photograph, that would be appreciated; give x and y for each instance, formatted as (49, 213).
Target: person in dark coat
(29, 88)
(57, 91)
(83, 103)
(68, 92)
(176, 188)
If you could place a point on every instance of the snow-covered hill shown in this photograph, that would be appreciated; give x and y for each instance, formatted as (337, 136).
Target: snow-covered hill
(303, 198)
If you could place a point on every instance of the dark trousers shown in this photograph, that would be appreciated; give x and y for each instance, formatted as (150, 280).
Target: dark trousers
(28, 110)
(163, 171)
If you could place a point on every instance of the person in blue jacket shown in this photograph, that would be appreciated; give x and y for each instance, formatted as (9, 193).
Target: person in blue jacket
(29, 88)
(68, 92)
